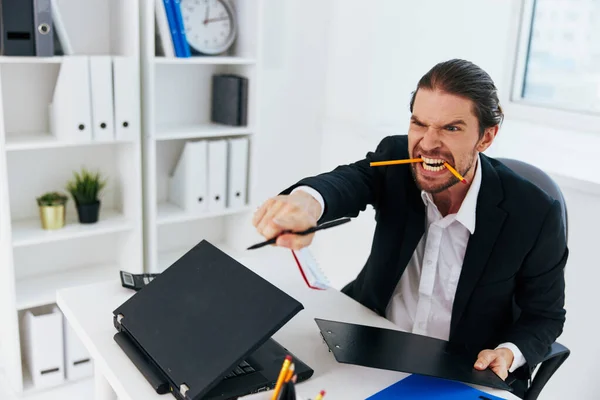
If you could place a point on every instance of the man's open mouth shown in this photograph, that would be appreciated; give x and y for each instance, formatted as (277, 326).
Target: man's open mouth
(433, 164)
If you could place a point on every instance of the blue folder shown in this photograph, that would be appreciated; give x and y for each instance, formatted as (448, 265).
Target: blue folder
(420, 387)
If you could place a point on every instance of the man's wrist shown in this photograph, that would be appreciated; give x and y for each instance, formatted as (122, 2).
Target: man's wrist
(518, 359)
(508, 355)
(316, 207)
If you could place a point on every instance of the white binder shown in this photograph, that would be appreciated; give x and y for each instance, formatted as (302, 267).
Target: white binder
(217, 175)
(163, 30)
(43, 337)
(126, 88)
(70, 110)
(102, 98)
(188, 185)
(237, 172)
(78, 363)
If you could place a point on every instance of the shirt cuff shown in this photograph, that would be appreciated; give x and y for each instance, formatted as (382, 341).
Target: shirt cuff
(314, 194)
(518, 360)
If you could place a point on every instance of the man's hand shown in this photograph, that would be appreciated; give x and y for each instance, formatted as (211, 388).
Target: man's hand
(295, 212)
(498, 360)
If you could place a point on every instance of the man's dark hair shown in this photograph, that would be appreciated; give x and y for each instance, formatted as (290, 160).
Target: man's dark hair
(465, 79)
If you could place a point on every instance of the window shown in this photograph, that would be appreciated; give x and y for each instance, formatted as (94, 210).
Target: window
(558, 64)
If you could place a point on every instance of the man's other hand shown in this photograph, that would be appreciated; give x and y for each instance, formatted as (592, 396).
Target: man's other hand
(295, 212)
(498, 360)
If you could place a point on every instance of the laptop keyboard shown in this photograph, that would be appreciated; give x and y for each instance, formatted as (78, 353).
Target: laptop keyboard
(242, 369)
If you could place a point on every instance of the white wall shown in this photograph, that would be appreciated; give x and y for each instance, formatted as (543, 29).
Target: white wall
(292, 92)
(378, 50)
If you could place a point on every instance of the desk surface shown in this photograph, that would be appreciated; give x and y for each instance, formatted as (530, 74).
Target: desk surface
(89, 311)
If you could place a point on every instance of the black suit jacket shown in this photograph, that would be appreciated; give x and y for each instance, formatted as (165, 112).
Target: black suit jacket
(511, 288)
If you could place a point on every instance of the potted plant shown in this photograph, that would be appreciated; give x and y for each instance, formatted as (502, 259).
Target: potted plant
(85, 187)
(52, 206)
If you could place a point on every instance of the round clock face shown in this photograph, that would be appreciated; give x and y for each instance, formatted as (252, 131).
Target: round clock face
(209, 25)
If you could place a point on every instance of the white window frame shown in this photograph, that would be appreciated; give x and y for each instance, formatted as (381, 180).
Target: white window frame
(518, 108)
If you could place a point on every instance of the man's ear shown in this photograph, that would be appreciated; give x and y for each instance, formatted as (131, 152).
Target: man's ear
(488, 137)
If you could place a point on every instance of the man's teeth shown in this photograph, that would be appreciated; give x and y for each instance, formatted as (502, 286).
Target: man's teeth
(427, 164)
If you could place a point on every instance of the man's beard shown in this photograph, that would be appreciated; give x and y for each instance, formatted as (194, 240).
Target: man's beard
(452, 180)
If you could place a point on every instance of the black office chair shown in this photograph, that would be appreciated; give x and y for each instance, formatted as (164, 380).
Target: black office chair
(558, 353)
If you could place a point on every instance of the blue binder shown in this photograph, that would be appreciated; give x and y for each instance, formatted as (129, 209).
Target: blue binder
(185, 47)
(420, 387)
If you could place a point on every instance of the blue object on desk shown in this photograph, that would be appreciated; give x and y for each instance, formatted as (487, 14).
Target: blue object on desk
(419, 387)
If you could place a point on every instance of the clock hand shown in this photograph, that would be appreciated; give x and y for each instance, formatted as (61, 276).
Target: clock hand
(206, 14)
(216, 19)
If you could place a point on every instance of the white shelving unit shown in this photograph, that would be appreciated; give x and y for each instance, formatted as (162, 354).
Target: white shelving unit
(176, 107)
(34, 263)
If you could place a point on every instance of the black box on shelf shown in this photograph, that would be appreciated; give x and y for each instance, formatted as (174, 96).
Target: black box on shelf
(229, 100)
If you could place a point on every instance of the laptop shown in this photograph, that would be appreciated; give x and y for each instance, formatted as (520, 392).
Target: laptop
(203, 328)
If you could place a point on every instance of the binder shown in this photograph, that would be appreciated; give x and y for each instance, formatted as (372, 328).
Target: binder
(173, 28)
(44, 31)
(229, 100)
(78, 363)
(43, 346)
(126, 89)
(17, 25)
(188, 185)
(180, 28)
(162, 28)
(217, 174)
(237, 172)
(70, 110)
(59, 28)
(395, 350)
(102, 98)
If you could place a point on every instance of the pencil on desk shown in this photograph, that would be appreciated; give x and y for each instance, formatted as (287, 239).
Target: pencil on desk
(395, 162)
(455, 172)
(282, 375)
(320, 395)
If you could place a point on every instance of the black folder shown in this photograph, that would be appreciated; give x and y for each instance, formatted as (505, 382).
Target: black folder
(404, 352)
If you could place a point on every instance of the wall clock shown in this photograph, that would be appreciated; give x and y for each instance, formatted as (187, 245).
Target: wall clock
(210, 25)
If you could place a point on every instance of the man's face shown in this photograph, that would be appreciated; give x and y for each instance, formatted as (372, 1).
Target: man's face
(443, 128)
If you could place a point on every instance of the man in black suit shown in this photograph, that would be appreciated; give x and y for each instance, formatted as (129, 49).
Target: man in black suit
(479, 264)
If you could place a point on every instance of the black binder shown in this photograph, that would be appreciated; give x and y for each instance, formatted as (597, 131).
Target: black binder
(404, 352)
(17, 28)
(229, 100)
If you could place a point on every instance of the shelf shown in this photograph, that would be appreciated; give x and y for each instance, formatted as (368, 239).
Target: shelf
(168, 213)
(34, 141)
(29, 231)
(41, 290)
(30, 60)
(200, 131)
(207, 60)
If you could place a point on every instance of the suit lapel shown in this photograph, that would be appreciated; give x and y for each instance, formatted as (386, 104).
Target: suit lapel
(489, 220)
(412, 231)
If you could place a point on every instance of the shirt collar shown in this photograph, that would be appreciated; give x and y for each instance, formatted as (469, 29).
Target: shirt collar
(468, 209)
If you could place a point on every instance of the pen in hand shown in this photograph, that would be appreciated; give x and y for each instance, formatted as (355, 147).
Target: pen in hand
(325, 225)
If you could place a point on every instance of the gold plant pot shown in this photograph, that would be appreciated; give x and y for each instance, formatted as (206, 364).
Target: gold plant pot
(52, 217)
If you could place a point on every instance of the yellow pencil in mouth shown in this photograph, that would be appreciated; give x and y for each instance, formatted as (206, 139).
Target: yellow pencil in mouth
(417, 160)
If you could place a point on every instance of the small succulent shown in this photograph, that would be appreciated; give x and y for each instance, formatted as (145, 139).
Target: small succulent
(52, 199)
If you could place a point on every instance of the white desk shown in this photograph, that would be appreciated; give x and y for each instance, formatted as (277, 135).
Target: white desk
(89, 311)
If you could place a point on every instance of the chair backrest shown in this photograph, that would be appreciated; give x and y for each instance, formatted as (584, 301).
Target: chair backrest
(542, 180)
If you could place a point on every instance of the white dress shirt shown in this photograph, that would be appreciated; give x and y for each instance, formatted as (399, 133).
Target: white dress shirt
(422, 301)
